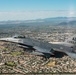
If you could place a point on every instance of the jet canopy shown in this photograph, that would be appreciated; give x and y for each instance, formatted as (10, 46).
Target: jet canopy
(19, 36)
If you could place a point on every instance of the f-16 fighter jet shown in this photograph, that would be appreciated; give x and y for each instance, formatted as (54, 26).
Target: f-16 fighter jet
(44, 48)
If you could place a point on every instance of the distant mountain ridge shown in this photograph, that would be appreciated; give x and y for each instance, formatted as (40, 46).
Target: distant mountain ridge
(39, 20)
(46, 21)
(69, 22)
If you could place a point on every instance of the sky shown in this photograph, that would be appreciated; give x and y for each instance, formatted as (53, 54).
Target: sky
(36, 9)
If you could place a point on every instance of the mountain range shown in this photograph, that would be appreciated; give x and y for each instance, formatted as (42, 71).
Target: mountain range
(46, 21)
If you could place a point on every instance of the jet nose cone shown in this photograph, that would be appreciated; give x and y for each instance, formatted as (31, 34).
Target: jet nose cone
(10, 39)
(7, 39)
(3, 39)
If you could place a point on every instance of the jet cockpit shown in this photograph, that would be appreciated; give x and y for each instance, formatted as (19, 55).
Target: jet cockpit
(19, 36)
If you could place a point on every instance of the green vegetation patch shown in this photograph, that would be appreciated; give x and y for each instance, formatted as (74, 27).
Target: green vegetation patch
(16, 53)
(6, 49)
(10, 63)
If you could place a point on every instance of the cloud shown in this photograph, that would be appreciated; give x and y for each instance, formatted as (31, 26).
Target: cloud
(28, 15)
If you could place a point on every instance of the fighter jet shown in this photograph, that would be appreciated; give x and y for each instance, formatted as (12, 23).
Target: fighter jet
(45, 49)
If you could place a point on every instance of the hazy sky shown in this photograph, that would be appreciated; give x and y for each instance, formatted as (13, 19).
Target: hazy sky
(33, 9)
